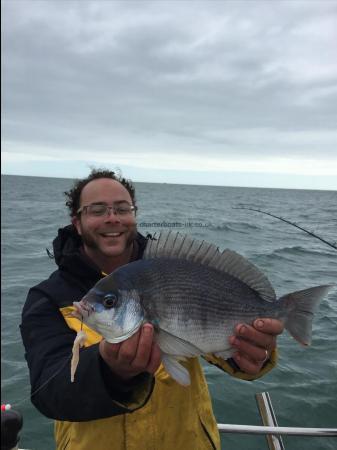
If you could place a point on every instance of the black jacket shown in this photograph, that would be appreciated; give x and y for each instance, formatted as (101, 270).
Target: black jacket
(48, 342)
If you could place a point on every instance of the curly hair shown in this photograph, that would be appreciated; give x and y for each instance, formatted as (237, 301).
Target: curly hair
(74, 194)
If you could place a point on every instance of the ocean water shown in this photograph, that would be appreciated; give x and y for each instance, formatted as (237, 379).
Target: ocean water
(303, 387)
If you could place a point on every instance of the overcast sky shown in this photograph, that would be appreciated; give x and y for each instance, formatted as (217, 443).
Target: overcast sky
(202, 92)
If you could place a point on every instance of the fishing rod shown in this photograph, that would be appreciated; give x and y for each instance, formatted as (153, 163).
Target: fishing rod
(331, 244)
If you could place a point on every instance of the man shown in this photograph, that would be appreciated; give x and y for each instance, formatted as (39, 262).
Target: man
(122, 398)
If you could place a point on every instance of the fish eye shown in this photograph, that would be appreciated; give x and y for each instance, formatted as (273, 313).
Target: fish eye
(109, 300)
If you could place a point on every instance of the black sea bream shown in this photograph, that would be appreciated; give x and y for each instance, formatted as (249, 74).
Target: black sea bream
(194, 295)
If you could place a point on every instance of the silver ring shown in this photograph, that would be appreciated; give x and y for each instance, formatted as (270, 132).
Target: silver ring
(266, 357)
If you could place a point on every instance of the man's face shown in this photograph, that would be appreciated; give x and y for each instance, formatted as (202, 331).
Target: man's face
(109, 235)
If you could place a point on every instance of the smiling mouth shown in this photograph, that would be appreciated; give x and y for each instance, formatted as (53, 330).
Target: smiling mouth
(112, 234)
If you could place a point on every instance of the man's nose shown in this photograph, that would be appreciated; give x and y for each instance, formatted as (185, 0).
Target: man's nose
(111, 215)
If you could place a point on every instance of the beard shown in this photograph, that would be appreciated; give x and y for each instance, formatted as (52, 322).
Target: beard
(91, 242)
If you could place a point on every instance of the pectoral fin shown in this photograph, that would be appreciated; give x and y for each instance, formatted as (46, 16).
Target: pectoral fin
(173, 345)
(176, 370)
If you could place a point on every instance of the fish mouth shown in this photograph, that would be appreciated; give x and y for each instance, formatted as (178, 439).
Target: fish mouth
(83, 308)
(125, 336)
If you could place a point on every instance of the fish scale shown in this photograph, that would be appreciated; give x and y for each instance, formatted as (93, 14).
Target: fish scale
(194, 295)
(199, 314)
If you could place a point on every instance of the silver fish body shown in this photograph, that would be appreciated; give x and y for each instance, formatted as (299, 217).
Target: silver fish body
(194, 295)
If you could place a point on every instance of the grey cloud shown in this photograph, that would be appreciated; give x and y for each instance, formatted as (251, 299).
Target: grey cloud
(186, 74)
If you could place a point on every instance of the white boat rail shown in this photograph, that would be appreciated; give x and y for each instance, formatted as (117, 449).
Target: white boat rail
(294, 431)
(270, 426)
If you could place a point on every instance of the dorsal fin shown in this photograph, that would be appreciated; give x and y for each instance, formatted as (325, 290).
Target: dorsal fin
(181, 246)
(239, 267)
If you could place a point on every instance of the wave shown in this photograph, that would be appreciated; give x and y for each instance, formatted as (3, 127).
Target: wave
(296, 250)
(237, 227)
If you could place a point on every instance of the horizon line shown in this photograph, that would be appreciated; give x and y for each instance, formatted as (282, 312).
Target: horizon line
(179, 184)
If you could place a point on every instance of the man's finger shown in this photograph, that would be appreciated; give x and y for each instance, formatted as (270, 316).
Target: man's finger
(128, 349)
(251, 351)
(269, 326)
(247, 365)
(260, 339)
(155, 359)
(144, 348)
(108, 350)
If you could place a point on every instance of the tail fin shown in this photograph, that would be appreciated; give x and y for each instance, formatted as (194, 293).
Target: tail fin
(301, 306)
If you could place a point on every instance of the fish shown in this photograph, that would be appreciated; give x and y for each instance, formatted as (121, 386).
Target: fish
(194, 295)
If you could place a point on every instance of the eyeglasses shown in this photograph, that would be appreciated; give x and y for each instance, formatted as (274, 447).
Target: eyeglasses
(101, 209)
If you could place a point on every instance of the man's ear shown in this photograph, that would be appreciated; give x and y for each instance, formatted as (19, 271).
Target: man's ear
(77, 224)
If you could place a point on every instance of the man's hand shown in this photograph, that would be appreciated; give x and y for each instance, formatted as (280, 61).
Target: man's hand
(255, 343)
(137, 354)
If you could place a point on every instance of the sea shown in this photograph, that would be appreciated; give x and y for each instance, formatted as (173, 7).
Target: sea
(303, 386)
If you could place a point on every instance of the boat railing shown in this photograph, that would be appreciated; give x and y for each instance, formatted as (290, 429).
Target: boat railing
(270, 426)
(273, 432)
